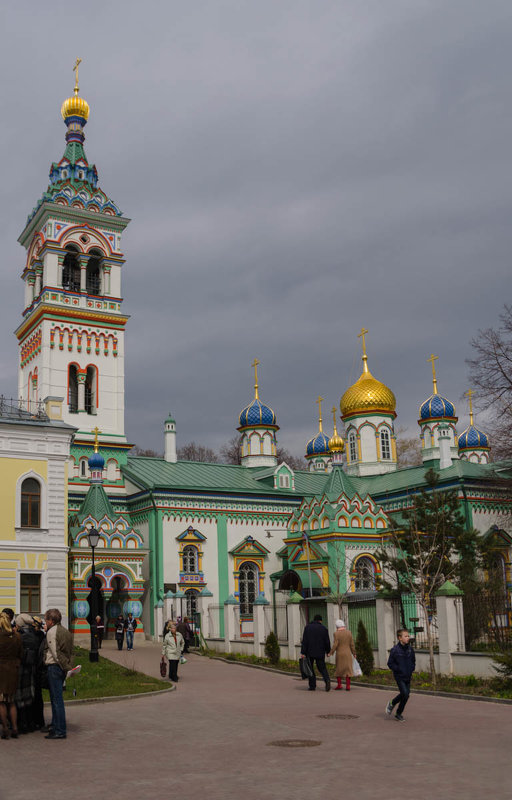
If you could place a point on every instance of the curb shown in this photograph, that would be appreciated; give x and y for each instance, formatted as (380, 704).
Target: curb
(432, 692)
(115, 698)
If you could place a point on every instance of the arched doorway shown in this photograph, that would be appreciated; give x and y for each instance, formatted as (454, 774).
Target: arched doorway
(100, 601)
(290, 581)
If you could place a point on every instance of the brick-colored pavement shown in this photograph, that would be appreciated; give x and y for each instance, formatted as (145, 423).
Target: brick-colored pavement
(210, 739)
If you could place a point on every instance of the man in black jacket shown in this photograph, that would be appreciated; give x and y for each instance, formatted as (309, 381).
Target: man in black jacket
(402, 662)
(315, 645)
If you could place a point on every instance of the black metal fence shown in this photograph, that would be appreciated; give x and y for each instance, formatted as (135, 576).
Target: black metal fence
(487, 621)
(411, 614)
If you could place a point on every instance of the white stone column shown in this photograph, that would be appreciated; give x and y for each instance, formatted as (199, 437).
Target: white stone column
(81, 378)
(450, 624)
(386, 633)
(168, 606)
(83, 274)
(294, 629)
(159, 620)
(229, 622)
(259, 628)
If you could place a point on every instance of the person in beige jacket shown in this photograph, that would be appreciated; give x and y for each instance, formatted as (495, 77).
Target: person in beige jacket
(172, 649)
(343, 646)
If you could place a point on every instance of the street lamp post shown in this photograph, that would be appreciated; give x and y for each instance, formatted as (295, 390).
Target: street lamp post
(94, 538)
(305, 534)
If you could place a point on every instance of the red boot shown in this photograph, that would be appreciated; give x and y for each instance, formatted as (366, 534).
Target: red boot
(339, 686)
(347, 681)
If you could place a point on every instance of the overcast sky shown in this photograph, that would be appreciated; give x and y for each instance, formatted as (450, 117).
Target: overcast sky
(293, 171)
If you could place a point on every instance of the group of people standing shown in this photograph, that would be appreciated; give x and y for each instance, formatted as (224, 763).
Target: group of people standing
(316, 645)
(124, 626)
(34, 654)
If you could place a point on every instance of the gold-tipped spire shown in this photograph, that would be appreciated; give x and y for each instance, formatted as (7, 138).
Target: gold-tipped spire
(319, 401)
(75, 106)
(255, 365)
(96, 432)
(469, 394)
(336, 443)
(361, 336)
(432, 359)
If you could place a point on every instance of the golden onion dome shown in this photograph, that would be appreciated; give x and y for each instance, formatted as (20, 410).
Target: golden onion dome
(75, 106)
(336, 443)
(367, 394)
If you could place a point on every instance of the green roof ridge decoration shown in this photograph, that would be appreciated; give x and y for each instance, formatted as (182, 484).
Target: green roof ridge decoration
(295, 598)
(96, 504)
(448, 589)
(231, 601)
(339, 483)
(261, 601)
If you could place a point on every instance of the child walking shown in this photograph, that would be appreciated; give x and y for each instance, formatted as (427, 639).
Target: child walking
(402, 663)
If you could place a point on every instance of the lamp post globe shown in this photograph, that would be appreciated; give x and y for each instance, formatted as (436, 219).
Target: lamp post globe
(93, 537)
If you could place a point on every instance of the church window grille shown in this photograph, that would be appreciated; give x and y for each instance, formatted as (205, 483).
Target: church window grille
(90, 390)
(385, 445)
(191, 601)
(73, 388)
(352, 445)
(190, 558)
(93, 279)
(71, 270)
(365, 575)
(30, 503)
(284, 481)
(247, 586)
(83, 467)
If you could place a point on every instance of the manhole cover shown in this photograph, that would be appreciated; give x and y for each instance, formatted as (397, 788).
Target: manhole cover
(295, 743)
(338, 716)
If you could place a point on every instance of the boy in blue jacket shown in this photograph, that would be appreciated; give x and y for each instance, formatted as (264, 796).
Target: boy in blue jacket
(402, 662)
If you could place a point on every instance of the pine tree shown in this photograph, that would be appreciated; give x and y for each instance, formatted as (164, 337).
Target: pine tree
(364, 650)
(272, 649)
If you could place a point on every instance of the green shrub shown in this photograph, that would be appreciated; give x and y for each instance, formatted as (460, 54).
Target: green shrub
(272, 649)
(364, 650)
(503, 664)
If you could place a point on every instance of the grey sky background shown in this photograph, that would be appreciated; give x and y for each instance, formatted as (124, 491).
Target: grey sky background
(293, 171)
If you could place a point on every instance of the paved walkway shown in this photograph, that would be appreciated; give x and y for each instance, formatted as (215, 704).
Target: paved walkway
(211, 738)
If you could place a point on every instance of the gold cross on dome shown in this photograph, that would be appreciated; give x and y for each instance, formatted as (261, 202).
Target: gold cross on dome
(432, 359)
(75, 70)
(469, 395)
(96, 432)
(319, 401)
(362, 335)
(255, 365)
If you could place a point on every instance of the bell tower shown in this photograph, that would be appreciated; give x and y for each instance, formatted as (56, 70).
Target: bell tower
(71, 338)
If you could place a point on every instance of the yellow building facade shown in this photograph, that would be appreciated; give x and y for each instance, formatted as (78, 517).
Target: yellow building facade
(34, 455)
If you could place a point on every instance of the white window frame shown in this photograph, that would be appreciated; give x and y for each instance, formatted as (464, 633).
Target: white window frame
(43, 519)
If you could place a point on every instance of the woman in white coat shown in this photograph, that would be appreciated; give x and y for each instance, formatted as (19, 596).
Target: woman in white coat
(172, 649)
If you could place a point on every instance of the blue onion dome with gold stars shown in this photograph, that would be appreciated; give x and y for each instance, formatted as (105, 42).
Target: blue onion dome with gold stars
(257, 413)
(473, 438)
(318, 445)
(436, 406)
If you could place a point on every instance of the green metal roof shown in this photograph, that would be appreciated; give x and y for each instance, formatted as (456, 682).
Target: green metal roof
(156, 473)
(96, 504)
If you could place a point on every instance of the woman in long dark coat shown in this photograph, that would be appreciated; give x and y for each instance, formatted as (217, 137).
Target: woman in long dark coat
(11, 651)
(25, 692)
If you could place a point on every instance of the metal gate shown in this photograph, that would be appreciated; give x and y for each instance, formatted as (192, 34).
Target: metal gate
(364, 610)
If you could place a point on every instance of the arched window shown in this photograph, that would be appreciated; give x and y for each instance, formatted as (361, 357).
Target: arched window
(190, 558)
(93, 281)
(30, 503)
(83, 468)
(365, 574)
(91, 389)
(71, 269)
(352, 446)
(191, 600)
(247, 585)
(73, 388)
(385, 445)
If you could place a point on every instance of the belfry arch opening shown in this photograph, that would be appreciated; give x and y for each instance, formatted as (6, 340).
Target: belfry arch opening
(93, 279)
(71, 269)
